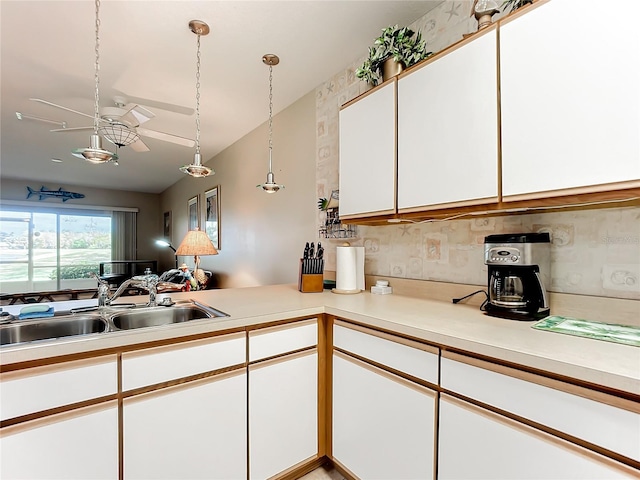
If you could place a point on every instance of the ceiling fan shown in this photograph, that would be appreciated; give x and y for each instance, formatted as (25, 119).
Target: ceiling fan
(121, 125)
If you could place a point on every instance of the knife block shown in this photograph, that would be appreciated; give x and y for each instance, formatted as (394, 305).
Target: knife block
(310, 282)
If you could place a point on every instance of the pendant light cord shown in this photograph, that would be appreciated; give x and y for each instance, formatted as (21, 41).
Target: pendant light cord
(198, 97)
(270, 114)
(96, 117)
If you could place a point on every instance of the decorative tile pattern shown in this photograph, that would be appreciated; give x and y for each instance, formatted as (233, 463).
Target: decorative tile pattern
(594, 252)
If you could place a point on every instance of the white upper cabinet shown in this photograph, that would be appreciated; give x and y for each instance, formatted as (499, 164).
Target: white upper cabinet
(368, 154)
(570, 96)
(448, 128)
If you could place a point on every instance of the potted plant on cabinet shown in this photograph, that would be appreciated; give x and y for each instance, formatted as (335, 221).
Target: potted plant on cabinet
(397, 48)
(513, 5)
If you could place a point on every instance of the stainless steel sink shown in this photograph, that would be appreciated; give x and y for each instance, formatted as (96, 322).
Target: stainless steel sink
(51, 328)
(157, 316)
(99, 321)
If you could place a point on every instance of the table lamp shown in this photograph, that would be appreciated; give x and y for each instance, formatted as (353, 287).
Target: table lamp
(197, 243)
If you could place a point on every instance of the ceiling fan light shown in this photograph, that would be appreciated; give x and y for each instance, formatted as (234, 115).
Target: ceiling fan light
(95, 153)
(119, 134)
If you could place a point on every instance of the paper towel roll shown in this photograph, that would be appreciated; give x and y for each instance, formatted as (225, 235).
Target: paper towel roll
(349, 269)
(346, 275)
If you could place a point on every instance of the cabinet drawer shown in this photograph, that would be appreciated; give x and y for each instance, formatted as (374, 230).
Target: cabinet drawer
(573, 410)
(412, 358)
(41, 388)
(161, 364)
(280, 339)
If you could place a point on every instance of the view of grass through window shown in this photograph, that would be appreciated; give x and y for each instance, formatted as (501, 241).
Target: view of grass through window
(48, 251)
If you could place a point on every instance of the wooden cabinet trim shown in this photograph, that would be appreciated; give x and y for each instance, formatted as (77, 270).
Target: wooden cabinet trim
(604, 188)
(369, 92)
(57, 417)
(45, 369)
(181, 345)
(282, 358)
(387, 336)
(391, 376)
(598, 396)
(278, 328)
(146, 393)
(547, 437)
(441, 206)
(369, 214)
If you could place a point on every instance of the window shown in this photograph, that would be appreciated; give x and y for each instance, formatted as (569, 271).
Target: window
(49, 250)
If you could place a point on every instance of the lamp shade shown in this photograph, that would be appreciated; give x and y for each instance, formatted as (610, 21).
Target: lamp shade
(196, 242)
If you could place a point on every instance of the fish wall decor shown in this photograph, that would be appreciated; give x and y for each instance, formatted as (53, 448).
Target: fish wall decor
(44, 193)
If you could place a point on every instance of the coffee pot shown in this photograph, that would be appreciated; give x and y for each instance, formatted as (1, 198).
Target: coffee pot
(518, 271)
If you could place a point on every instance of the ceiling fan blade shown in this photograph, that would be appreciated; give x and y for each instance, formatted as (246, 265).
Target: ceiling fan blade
(167, 137)
(139, 146)
(137, 115)
(26, 116)
(71, 129)
(39, 100)
(169, 107)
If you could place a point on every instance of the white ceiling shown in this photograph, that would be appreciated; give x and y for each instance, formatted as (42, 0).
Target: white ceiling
(148, 54)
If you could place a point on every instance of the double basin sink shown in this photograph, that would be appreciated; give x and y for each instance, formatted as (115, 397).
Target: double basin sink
(103, 320)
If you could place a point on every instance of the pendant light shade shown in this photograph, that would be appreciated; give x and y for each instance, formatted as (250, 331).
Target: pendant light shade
(270, 186)
(95, 153)
(196, 169)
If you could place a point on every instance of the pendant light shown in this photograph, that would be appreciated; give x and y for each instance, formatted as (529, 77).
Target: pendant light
(196, 169)
(95, 153)
(270, 186)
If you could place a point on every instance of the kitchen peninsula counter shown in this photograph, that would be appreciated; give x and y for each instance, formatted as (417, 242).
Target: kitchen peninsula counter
(456, 327)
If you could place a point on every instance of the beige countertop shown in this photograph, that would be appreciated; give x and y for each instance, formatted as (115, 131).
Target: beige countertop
(456, 326)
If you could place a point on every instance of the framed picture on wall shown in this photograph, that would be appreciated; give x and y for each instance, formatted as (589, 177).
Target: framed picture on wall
(166, 226)
(193, 213)
(212, 215)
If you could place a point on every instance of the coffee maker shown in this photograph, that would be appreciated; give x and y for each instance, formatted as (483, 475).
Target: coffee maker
(518, 270)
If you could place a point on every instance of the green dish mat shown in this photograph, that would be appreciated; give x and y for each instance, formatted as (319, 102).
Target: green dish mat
(609, 332)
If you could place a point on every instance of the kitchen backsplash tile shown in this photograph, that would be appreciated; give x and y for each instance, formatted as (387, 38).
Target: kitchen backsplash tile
(594, 252)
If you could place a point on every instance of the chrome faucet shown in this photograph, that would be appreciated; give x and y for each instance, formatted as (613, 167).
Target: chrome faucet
(150, 282)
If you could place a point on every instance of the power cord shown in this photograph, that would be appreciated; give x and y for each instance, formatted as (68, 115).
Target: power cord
(486, 295)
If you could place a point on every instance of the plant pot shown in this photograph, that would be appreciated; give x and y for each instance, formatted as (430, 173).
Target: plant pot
(391, 68)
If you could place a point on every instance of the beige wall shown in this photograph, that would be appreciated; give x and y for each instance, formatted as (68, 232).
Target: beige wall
(149, 214)
(262, 235)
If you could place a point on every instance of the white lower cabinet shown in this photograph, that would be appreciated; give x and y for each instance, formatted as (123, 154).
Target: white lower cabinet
(189, 431)
(383, 425)
(81, 444)
(477, 444)
(283, 413)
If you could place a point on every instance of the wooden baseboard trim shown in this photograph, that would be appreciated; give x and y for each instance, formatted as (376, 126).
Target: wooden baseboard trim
(344, 471)
(302, 468)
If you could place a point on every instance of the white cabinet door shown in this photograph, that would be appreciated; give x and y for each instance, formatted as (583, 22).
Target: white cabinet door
(570, 97)
(283, 413)
(477, 444)
(383, 425)
(448, 128)
(368, 154)
(190, 431)
(577, 412)
(41, 388)
(82, 444)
